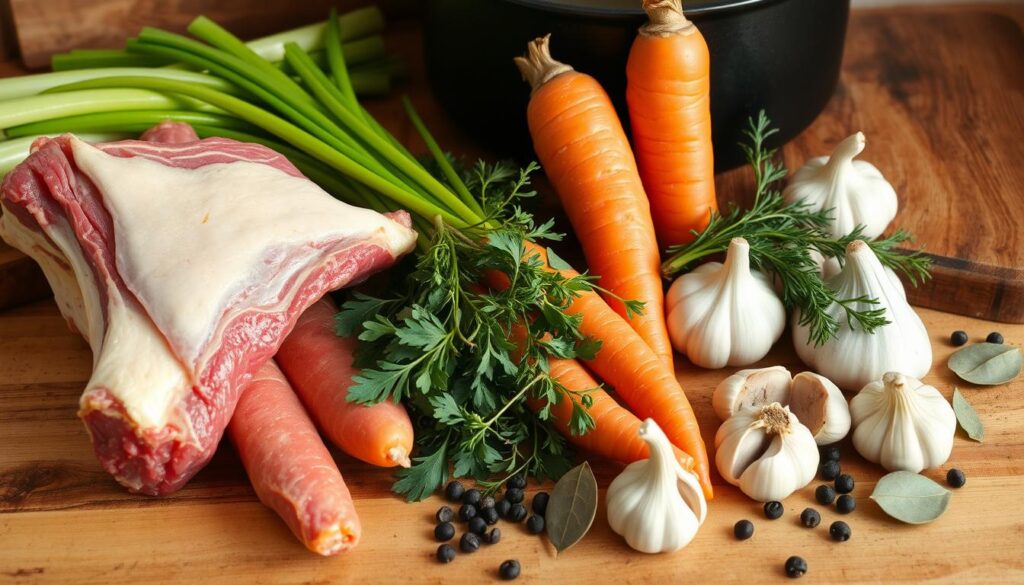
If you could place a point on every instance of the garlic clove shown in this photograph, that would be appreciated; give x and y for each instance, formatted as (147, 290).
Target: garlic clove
(766, 452)
(820, 406)
(724, 314)
(750, 389)
(854, 190)
(854, 358)
(902, 424)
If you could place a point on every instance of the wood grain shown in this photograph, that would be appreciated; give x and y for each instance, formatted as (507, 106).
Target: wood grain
(45, 27)
(63, 520)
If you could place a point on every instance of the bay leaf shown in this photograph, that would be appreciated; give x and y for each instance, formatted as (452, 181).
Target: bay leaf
(910, 497)
(967, 416)
(986, 363)
(572, 507)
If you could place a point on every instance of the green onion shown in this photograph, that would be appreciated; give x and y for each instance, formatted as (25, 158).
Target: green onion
(126, 121)
(89, 101)
(30, 85)
(97, 58)
(356, 24)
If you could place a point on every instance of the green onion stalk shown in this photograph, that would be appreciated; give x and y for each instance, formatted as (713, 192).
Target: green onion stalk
(441, 343)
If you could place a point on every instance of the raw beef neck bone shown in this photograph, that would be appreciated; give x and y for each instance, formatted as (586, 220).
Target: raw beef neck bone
(184, 263)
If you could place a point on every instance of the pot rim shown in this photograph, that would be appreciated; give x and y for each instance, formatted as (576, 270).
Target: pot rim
(705, 7)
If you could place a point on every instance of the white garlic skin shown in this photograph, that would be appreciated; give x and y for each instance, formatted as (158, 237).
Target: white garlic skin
(854, 358)
(765, 463)
(855, 190)
(902, 424)
(820, 406)
(751, 388)
(724, 314)
(655, 504)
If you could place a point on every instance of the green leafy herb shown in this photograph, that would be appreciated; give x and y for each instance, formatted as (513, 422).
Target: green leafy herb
(449, 347)
(967, 416)
(988, 364)
(782, 238)
(911, 498)
(572, 507)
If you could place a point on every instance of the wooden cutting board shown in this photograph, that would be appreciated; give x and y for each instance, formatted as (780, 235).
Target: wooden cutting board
(63, 520)
(939, 94)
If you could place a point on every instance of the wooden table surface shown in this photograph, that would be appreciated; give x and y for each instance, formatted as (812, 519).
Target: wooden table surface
(63, 520)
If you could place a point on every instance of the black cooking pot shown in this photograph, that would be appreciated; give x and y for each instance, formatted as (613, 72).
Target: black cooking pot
(780, 55)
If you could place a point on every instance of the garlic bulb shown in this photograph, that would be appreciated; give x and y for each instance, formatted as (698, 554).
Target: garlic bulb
(655, 504)
(766, 452)
(853, 358)
(724, 314)
(820, 406)
(902, 423)
(750, 389)
(855, 191)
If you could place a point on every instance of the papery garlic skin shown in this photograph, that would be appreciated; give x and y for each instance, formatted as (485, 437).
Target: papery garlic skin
(766, 452)
(655, 504)
(724, 314)
(902, 424)
(820, 406)
(855, 191)
(854, 358)
(751, 388)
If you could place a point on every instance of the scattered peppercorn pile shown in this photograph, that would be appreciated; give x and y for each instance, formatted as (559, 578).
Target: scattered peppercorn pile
(479, 512)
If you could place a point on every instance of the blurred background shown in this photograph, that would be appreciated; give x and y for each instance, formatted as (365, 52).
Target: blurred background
(32, 30)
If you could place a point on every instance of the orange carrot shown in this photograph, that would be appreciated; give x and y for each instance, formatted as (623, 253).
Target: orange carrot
(616, 430)
(615, 434)
(670, 113)
(641, 379)
(319, 365)
(290, 467)
(585, 154)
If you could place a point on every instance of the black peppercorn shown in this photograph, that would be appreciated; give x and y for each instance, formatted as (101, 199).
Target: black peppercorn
(445, 514)
(540, 503)
(444, 531)
(743, 529)
(516, 481)
(471, 497)
(517, 513)
(955, 478)
(454, 491)
(773, 510)
(994, 337)
(828, 470)
(469, 542)
(487, 502)
(503, 506)
(514, 495)
(844, 483)
(493, 536)
(467, 512)
(958, 338)
(846, 504)
(509, 569)
(490, 515)
(830, 453)
(477, 526)
(446, 553)
(839, 531)
(810, 518)
(825, 494)
(535, 524)
(795, 567)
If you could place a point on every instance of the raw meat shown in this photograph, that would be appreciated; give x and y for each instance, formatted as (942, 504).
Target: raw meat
(183, 264)
(289, 466)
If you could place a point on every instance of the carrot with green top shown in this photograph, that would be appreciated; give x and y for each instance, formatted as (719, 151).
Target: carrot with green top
(584, 152)
(668, 92)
